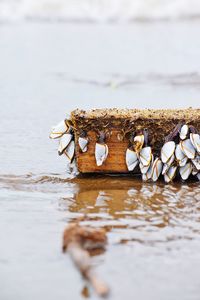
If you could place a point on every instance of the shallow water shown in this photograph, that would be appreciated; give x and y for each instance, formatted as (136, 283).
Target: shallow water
(153, 229)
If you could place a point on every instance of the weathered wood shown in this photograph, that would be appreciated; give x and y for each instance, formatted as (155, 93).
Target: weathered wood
(118, 124)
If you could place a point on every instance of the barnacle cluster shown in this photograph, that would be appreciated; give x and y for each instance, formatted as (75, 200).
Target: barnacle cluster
(179, 154)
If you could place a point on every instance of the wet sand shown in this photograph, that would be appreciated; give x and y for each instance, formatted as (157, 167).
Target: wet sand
(153, 229)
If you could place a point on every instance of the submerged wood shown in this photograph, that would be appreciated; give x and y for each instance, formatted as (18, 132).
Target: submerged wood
(117, 125)
(78, 242)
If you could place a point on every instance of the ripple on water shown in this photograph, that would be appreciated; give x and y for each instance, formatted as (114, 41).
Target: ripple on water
(130, 210)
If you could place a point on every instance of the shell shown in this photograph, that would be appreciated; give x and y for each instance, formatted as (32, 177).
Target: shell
(64, 142)
(138, 142)
(83, 141)
(195, 140)
(170, 174)
(69, 151)
(58, 130)
(167, 151)
(196, 162)
(168, 164)
(101, 153)
(183, 132)
(179, 153)
(145, 156)
(198, 176)
(143, 168)
(148, 174)
(187, 148)
(183, 162)
(194, 171)
(131, 159)
(185, 171)
(156, 169)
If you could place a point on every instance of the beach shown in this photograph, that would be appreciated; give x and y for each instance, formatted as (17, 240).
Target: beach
(47, 69)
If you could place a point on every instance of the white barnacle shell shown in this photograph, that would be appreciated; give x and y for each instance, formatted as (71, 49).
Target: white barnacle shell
(64, 142)
(145, 156)
(179, 153)
(138, 142)
(180, 156)
(170, 174)
(198, 176)
(101, 153)
(195, 140)
(156, 169)
(167, 151)
(184, 132)
(183, 162)
(131, 159)
(146, 176)
(196, 162)
(167, 165)
(194, 171)
(143, 168)
(185, 171)
(187, 148)
(69, 151)
(58, 130)
(83, 141)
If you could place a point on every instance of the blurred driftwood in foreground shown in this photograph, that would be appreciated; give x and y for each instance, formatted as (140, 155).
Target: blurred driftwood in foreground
(79, 241)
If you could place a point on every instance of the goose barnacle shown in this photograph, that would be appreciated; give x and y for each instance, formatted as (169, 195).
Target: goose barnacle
(180, 156)
(187, 148)
(183, 132)
(170, 174)
(69, 151)
(156, 169)
(83, 141)
(198, 176)
(185, 171)
(131, 159)
(145, 156)
(64, 142)
(167, 151)
(195, 140)
(58, 130)
(168, 164)
(138, 142)
(196, 162)
(146, 176)
(101, 150)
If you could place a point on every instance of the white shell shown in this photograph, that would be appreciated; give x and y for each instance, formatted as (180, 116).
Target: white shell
(167, 151)
(168, 164)
(183, 162)
(148, 174)
(184, 132)
(196, 162)
(145, 156)
(198, 176)
(138, 142)
(179, 153)
(187, 148)
(83, 143)
(101, 153)
(143, 168)
(131, 159)
(186, 171)
(195, 139)
(69, 152)
(156, 169)
(58, 130)
(194, 171)
(64, 142)
(170, 174)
